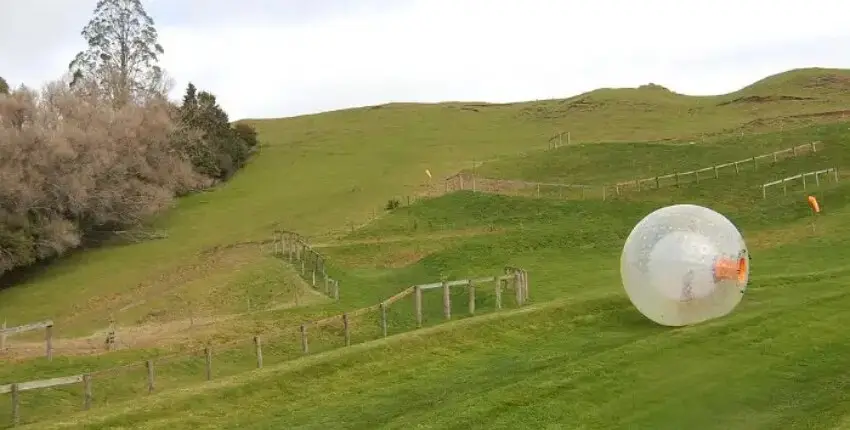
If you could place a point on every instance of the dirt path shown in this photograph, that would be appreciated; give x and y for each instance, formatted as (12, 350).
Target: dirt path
(189, 330)
(396, 239)
(151, 335)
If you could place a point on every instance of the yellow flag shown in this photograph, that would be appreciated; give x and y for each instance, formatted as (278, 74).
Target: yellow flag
(428, 172)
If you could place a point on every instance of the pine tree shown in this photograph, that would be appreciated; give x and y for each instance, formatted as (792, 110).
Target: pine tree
(123, 52)
(4, 86)
(190, 100)
(215, 148)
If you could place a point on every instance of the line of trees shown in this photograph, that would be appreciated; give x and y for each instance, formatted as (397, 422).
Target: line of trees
(102, 150)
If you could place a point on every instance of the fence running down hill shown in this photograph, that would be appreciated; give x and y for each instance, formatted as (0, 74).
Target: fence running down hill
(339, 326)
(833, 172)
(294, 248)
(468, 181)
(714, 171)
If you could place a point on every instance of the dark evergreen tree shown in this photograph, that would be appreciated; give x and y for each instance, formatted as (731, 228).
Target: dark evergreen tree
(190, 100)
(215, 148)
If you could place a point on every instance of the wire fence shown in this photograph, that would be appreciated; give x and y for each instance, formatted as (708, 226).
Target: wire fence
(468, 181)
(815, 180)
(433, 303)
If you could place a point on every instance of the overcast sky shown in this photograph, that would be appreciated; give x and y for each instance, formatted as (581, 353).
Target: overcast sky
(267, 58)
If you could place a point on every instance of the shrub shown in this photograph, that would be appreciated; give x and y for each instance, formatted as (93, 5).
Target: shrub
(73, 165)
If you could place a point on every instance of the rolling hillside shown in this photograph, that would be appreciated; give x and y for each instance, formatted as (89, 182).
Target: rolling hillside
(322, 175)
(580, 354)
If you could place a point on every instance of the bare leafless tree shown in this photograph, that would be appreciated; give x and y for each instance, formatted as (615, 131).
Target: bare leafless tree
(72, 163)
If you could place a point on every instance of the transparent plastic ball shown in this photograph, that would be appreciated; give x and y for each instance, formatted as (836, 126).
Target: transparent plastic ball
(684, 264)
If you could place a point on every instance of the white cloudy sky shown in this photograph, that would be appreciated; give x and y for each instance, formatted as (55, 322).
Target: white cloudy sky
(267, 58)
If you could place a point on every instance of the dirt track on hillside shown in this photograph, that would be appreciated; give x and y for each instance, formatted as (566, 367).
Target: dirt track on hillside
(396, 239)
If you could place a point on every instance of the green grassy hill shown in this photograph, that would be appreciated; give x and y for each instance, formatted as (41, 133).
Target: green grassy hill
(581, 354)
(323, 175)
(581, 357)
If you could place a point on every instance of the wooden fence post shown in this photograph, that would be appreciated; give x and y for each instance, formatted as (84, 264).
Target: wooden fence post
(737, 169)
(325, 276)
(784, 187)
(304, 346)
(87, 395)
(471, 298)
(290, 248)
(417, 305)
(755, 164)
(3, 337)
(48, 342)
(763, 192)
(498, 293)
(447, 301)
(258, 347)
(110, 337)
(16, 418)
(603, 193)
(336, 290)
(346, 329)
(208, 360)
(518, 288)
(149, 365)
(384, 319)
(524, 286)
(716, 174)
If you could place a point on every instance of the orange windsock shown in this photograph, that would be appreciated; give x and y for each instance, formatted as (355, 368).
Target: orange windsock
(813, 202)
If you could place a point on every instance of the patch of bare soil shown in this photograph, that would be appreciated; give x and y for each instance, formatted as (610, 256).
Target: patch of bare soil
(393, 239)
(214, 260)
(155, 335)
(763, 99)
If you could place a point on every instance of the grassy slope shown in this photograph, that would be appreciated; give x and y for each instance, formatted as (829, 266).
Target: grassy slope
(323, 153)
(608, 164)
(584, 359)
(320, 174)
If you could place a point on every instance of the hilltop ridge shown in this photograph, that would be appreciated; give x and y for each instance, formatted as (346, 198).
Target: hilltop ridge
(322, 175)
(795, 84)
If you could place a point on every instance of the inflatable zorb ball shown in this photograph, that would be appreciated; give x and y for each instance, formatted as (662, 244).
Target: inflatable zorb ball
(684, 264)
